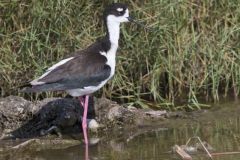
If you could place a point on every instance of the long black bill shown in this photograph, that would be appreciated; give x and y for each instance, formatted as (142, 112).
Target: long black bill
(139, 23)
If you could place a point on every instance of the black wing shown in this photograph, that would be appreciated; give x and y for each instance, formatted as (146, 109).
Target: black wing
(87, 69)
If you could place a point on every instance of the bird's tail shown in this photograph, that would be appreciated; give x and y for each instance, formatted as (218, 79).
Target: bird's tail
(42, 88)
(27, 87)
(30, 89)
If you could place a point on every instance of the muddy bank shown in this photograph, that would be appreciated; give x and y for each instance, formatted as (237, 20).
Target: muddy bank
(124, 132)
(20, 118)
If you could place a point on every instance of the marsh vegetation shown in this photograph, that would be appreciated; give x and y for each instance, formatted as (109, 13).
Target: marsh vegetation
(191, 53)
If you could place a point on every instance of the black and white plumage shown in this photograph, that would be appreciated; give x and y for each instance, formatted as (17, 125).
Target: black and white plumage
(80, 74)
(86, 71)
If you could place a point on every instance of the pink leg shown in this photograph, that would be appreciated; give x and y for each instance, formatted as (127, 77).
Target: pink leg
(84, 119)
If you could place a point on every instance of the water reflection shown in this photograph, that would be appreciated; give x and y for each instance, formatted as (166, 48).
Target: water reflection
(86, 152)
(220, 128)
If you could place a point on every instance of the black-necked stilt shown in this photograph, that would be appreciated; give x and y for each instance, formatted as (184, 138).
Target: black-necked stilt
(86, 71)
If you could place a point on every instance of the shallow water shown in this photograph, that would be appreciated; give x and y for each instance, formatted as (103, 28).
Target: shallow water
(220, 127)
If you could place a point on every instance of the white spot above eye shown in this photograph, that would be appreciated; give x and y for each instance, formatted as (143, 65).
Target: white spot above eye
(119, 9)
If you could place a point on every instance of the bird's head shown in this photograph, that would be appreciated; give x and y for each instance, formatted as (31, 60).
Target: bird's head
(116, 13)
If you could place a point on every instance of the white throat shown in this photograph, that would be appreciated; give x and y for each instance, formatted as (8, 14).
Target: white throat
(113, 29)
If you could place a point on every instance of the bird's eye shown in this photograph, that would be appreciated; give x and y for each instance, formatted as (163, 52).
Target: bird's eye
(120, 13)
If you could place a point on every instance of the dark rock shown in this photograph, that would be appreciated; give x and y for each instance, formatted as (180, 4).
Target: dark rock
(20, 118)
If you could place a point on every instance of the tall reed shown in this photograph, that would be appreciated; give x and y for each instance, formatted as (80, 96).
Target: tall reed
(192, 52)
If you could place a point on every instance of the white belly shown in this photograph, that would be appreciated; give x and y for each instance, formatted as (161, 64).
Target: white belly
(86, 90)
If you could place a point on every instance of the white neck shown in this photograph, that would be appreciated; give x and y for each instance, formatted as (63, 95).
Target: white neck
(113, 30)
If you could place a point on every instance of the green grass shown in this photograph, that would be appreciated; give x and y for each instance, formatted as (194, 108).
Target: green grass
(193, 52)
